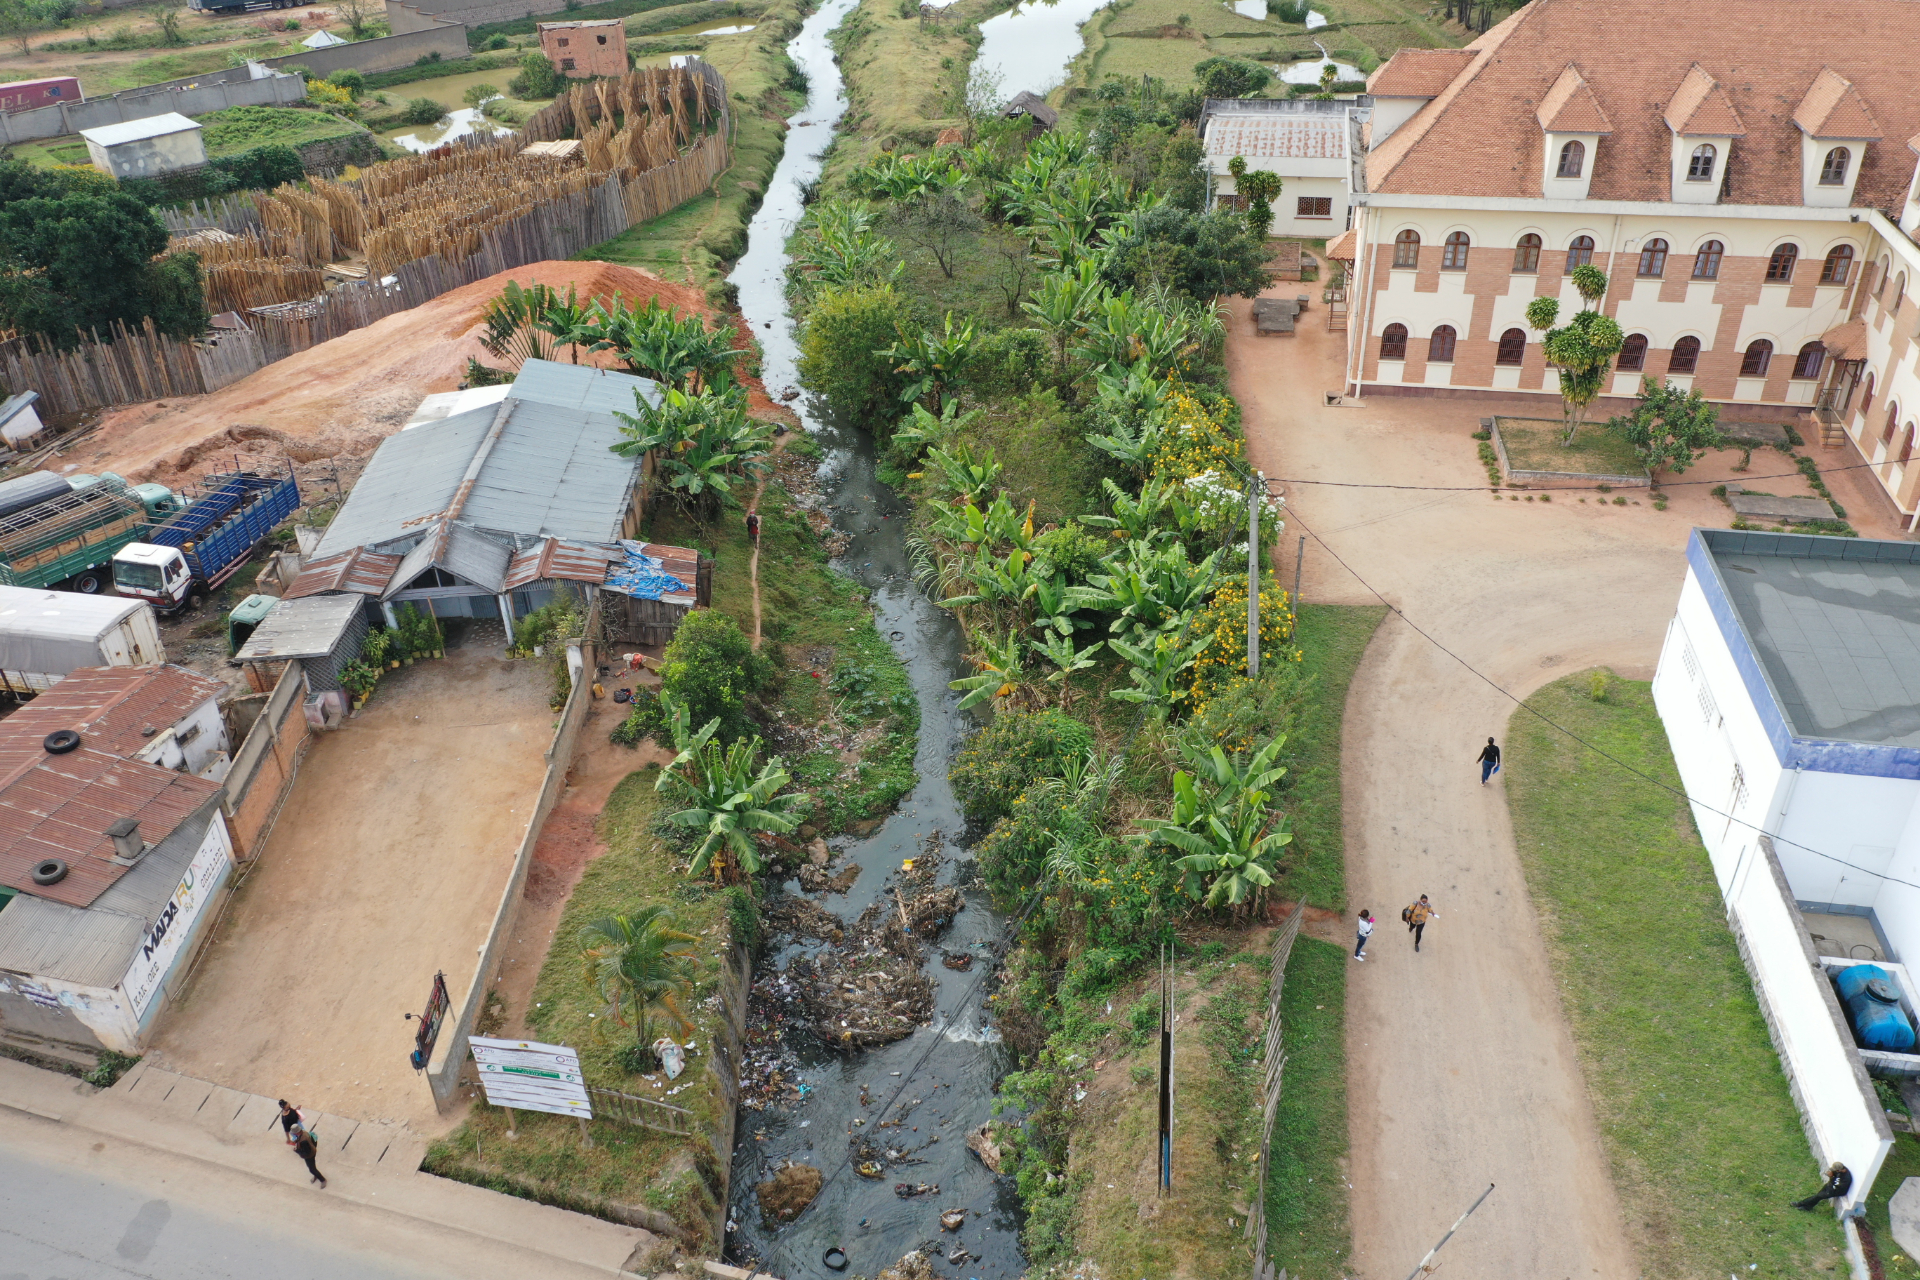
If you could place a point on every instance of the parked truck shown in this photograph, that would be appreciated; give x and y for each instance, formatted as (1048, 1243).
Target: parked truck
(178, 563)
(45, 635)
(68, 539)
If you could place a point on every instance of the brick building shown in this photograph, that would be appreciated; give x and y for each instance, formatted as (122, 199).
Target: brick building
(582, 49)
(1747, 182)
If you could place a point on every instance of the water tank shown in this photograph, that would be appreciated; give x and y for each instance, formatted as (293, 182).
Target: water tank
(1872, 999)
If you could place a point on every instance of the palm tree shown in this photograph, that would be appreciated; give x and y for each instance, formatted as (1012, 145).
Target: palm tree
(640, 962)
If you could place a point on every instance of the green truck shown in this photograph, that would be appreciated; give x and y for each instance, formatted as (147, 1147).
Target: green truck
(69, 540)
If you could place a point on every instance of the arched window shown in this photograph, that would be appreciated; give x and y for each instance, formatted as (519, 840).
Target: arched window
(1393, 342)
(1886, 268)
(1700, 166)
(1893, 420)
(1573, 160)
(1686, 354)
(1406, 249)
(1440, 345)
(1513, 347)
(1906, 445)
(1839, 262)
(1706, 262)
(1633, 353)
(1866, 397)
(1811, 357)
(1454, 256)
(1759, 355)
(1580, 252)
(1899, 292)
(1780, 265)
(1653, 258)
(1833, 170)
(1526, 254)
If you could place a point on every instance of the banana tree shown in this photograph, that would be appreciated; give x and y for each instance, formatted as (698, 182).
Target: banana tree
(1061, 306)
(920, 429)
(1160, 508)
(726, 798)
(1059, 651)
(1156, 664)
(969, 480)
(703, 443)
(932, 361)
(1132, 406)
(999, 660)
(515, 329)
(1223, 822)
(1150, 588)
(994, 580)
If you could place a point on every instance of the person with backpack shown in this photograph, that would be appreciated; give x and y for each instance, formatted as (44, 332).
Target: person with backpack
(1839, 1182)
(307, 1149)
(1366, 931)
(1489, 760)
(1416, 916)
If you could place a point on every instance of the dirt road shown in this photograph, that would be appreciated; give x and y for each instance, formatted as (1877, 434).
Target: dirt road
(386, 865)
(1462, 1071)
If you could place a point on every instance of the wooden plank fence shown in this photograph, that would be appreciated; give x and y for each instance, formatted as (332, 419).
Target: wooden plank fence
(646, 1113)
(135, 365)
(1276, 1058)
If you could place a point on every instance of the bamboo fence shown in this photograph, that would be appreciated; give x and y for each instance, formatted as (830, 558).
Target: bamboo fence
(427, 224)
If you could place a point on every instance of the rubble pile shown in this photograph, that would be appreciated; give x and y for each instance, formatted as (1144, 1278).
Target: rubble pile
(789, 1191)
(915, 1266)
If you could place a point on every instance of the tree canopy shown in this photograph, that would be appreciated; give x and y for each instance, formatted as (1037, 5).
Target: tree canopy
(1198, 254)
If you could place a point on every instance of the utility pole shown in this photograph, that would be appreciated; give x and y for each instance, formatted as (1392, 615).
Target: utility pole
(1299, 559)
(1426, 1263)
(1254, 486)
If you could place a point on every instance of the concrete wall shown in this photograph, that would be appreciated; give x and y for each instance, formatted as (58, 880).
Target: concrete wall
(208, 94)
(266, 764)
(472, 13)
(450, 1051)
(388, 53)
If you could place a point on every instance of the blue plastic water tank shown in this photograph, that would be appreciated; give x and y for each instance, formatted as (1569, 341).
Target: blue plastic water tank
(1872, 998)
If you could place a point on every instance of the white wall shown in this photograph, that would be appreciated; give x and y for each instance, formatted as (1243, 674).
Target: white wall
(103, 1012)
(194, 741)
(156, 964)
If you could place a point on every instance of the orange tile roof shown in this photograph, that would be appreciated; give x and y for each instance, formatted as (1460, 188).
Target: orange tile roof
(1341, 247)
(1480, 135)
(114, 709)
(1846, 341)
(1699, 108)
(1417, 73)
(1570, 107)
(1833, 109)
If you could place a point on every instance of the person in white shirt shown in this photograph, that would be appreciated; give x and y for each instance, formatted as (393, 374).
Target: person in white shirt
(1366, 931)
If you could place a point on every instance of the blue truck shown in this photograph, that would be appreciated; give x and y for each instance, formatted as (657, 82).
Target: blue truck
(179, 562)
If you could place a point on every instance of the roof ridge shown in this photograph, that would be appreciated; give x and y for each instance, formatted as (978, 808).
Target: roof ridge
(1394, 151)
(1833, 108)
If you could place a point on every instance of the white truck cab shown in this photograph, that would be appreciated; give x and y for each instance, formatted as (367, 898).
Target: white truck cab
(158, 575)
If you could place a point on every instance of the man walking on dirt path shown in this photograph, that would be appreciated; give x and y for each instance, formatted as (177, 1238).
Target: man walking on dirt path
(1366, 931)
(753, 527)
(1489, 761)
(305, 1147)
(1417, 916)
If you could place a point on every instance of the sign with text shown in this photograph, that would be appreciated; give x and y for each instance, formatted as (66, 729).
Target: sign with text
(176, 919)
(532, 1077)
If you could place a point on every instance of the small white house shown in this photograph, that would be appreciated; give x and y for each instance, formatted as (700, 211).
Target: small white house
(144, 148)
(1789, 687)
(20, 424)
(1307, 145)
(322, 40)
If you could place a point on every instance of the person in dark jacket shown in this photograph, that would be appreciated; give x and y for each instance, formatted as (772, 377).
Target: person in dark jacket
(1839, 1182)
(1489, 761)
(289, 1117)
(305, 1147)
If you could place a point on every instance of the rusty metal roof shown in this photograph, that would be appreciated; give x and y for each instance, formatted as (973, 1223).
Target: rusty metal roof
(561, 559)
(116, 709)
(360, 571)
(60, 806)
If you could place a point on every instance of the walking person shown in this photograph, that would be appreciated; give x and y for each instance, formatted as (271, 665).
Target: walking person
(307, 1149)
(1489, 761)
(1839, 1182)
(753, 527)
(1417, 916)
(1366, 931)
(289, 1117)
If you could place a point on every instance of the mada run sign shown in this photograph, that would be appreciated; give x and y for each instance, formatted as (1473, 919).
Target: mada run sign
(532, 1077)
(174, 925)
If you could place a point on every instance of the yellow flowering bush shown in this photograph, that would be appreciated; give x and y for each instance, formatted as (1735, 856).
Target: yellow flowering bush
(1193, 442)
(1224, 623)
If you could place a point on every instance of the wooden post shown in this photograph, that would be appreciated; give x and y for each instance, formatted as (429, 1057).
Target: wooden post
(510, 1133)
(586, 1139)
(1253, 576)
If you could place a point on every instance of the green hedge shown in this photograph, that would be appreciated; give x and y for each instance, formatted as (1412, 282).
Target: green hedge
(478, 36)
(434, 70)
(261, 169)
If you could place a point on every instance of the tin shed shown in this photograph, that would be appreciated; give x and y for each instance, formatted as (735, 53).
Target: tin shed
(321, 633)
(146, 148)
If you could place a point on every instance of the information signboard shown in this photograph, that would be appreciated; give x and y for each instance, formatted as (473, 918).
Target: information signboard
(529, 1076)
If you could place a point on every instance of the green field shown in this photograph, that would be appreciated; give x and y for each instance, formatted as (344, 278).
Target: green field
(225, 133)
(1704, 1143)
(1533, 444)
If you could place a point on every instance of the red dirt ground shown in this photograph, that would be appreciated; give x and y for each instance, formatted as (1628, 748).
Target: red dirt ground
(339, 400)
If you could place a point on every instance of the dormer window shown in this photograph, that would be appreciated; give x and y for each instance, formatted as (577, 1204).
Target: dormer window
(1700, 167)
(1836, 126)
(1833, 170)
(1573, 160)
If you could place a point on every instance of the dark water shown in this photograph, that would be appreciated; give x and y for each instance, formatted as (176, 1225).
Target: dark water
(941, 1078)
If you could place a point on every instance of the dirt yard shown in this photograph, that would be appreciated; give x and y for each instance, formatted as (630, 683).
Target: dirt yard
(329, 407)
(387, 864)
(1462, 1071)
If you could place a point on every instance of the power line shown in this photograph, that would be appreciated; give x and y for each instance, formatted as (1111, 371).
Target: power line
(1568, 488)
(1597, 750)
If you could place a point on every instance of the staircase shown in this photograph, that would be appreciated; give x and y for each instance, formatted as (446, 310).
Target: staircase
(1826, 424)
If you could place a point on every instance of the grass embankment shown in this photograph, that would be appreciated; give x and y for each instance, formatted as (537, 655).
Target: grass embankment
(1331, 638)
(814, 619)
(1903, 1162)
(697, 242)
(1701, 1133)
(224, 133)
(903, 74)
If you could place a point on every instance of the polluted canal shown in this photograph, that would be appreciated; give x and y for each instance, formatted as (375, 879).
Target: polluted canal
(871, 1056)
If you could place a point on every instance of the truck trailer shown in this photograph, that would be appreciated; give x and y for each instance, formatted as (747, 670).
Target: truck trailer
(69, 539)
(175, 565)
(44, 635)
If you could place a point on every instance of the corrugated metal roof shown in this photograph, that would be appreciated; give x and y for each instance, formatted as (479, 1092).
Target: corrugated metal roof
(112, 135)
(114, 709)
(94, 945)
(61, 615)
(561, 560)
(412, 476)
(359, 570)
(1268, 136)
(305, 628)
(61, 806)
(464, 552)
(578, 386)
(553, 473)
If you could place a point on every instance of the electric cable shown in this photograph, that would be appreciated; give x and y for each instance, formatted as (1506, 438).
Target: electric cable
(1567, 488)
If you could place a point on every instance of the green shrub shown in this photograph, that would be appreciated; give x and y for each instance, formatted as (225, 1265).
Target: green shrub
(352, 81)
(109, 1066)
(423, 111)
(537, 78)
(1070, 551)
(1013, 856)
(263, 168)
(711, 667)
(1009, 755)
(842, 353)
(1007, 362)
(494, 41)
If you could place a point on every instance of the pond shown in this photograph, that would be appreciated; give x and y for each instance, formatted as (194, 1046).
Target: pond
(938, 1082)
(706, 28)
(1309, 72)
(1031, 45)
(455, 124)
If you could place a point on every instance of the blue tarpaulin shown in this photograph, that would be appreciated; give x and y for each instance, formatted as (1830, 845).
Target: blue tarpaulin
(642, 576)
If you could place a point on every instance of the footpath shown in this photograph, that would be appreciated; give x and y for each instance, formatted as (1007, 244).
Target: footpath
(230, 1143)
